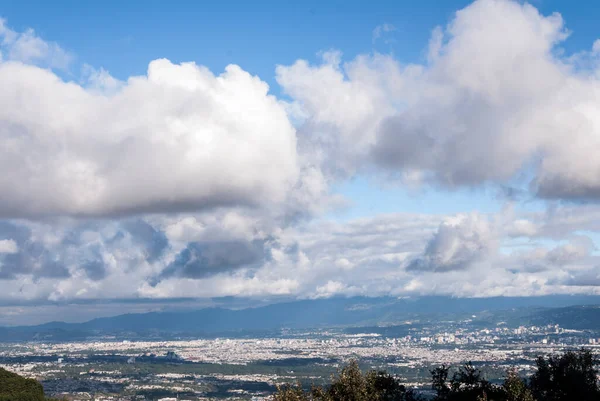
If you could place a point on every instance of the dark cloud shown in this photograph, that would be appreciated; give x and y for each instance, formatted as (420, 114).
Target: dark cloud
(95, 269)
(12, 231)
(153, 241)
(203, 259)
(569, 188)
(32, 258)
(586, 278)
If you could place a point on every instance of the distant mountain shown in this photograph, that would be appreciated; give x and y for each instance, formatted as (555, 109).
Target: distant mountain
(333, 312)
(581, 317)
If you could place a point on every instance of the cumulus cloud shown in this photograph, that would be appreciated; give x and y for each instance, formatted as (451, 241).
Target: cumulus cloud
(458, 243)
(203, 256)
(571, 252)
(331, 288)
(203, 181)
(567, 255)
(176, 139)
(495, 99)
(199, 260)
(589, 278)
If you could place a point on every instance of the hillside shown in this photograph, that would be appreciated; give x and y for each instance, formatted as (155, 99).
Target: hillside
(16, 388)
(580, 317)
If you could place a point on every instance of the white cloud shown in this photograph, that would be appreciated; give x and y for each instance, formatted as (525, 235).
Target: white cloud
(8, 246)
(459, 242)
(220, 179)
(571, 252)
(495, 100)
(203, 255)
(381, 30)
(330, 288)
(179, 138)
(27, 47)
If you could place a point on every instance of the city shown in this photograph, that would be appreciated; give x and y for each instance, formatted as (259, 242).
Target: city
(251, 368)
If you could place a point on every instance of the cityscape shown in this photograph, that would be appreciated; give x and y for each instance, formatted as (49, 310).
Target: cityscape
(252, 368)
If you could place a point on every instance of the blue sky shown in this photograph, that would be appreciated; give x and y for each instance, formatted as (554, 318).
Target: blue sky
(123, 36)
(458, 161)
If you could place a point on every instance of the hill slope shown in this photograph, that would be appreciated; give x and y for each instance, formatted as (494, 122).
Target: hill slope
(14, 387)
(580, 317)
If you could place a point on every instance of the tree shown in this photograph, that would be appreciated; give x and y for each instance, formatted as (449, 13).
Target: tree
(351, 385)
(14, 387)
(515, 388)
(382, 386)
(467, 384)
(288, 392)
(571, 376)
(439, 382)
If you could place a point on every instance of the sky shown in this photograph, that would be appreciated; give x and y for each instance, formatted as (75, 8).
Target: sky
(184, 154)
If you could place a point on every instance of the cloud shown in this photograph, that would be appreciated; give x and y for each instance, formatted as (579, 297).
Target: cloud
(199, 260)
(206, 255)
(563, 257)
(381, 30)
(27, 47)
(154, 242)
(183, 183)
(571, 252)
(32, 259)
(458, 244)
(497, 100)
(331, 288)
(8, 246)
(589, 278)
(176, 139)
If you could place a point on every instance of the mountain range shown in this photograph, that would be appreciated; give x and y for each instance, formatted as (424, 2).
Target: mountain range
(334, 312)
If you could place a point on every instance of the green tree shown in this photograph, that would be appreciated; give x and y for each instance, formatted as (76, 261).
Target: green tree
(515, 388)
(289, 392)
(567, 377)
(351, 385)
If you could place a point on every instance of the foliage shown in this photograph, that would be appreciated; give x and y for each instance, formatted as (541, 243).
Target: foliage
(515, 388)
(351, 384)
(289, 392)
(466, 384)
(571, 376)
(14, 387)
(568, 377)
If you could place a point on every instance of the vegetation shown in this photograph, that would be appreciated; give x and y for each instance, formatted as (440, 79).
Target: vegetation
(567, 377)
(14, 387)
(17, 388)
(351, 385)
